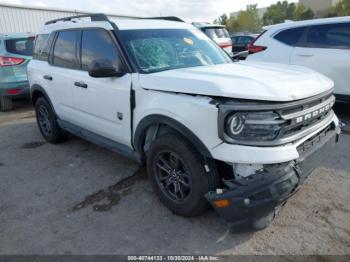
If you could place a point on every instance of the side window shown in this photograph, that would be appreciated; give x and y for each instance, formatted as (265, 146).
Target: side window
(65, 49)
(42, 46)
(234, 40)
(291, 36)
(244, 40)
(97, 44)
(335, 36)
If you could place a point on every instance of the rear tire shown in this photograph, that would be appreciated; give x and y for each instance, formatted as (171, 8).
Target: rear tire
(5, 104)
(178, 175)
(47, 122)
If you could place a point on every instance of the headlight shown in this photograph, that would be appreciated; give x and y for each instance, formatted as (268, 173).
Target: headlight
(235, 124)
(252, 126)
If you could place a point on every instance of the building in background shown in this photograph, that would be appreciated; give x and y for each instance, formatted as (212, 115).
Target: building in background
(319, 6)
(17, 18)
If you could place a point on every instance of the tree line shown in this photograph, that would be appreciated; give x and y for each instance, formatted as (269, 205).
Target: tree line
(250, 20)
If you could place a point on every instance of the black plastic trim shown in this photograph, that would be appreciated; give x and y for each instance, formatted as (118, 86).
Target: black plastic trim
(150, 120)
(94, 18)
(38, 88)
(100, 140)
(168, 18)
(260, 195)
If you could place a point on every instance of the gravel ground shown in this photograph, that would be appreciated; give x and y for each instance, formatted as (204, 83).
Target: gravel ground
(42, 210)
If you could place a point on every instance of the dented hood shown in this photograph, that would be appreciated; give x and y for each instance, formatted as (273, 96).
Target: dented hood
(245, 80)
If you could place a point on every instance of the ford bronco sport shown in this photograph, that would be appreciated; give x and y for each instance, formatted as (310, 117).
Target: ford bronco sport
(239, 136)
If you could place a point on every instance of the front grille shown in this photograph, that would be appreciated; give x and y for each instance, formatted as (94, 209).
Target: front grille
(308, 104)
(305, 115)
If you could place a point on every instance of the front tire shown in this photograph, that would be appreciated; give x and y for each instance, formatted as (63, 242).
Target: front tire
(47, 122)
(178, 175)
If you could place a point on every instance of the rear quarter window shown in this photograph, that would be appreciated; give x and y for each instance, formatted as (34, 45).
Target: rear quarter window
(291, 36)
(20, 46)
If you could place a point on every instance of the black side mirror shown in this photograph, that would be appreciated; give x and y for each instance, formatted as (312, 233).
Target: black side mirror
(104, 68)
(240, 56)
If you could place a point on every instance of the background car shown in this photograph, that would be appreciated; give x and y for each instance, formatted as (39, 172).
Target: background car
(218, 33)
(240, 41)
(320, 44)
(15, 53)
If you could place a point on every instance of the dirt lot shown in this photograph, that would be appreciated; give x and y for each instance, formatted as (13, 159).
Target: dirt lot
(42, 207)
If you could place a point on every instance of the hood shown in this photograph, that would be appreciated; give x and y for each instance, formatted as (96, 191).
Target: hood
(244, 80)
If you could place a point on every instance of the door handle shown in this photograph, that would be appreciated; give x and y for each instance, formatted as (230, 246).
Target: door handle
(305, 55)
(81, 84)
(48, 77)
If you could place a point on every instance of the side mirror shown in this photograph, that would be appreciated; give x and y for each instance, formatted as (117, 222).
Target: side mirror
(104, 68)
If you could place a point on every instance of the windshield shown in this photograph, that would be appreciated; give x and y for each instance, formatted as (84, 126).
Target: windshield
(166, 49)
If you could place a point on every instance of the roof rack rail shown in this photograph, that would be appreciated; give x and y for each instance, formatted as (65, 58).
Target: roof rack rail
(169, 18)
(94, 18)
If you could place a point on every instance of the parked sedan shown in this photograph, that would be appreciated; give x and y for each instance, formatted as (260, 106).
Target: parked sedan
(320, 44)
(240, 42)
(15, 53)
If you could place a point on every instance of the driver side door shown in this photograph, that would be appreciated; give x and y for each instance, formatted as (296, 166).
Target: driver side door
(102, 105)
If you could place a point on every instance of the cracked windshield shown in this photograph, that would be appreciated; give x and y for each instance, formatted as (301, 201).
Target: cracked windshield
(159, 50)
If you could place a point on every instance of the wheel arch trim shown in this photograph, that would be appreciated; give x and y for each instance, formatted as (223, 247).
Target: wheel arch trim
(156, 119)
(40, 89)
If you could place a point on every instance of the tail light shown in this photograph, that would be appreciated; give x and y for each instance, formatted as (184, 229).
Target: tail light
(13, 91)
(10, 61)
(252, 48)
(255, 48)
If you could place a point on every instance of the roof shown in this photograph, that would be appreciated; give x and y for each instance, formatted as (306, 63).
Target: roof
(290, 24)
(244, 34)
(130, 24)
(122, 24)
(16, 35)
(207, 25)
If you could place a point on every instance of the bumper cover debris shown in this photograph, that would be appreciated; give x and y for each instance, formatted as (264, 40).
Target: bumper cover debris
(258, 197)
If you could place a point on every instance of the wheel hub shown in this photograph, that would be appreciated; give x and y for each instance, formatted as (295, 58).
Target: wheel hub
(172, 176)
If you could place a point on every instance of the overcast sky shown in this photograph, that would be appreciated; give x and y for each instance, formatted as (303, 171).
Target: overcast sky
(190, 10)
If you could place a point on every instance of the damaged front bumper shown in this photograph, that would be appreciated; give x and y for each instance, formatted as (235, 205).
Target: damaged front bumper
(252, 202)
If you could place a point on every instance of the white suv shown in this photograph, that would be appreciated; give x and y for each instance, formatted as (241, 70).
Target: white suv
(321, 44)
(240, 136)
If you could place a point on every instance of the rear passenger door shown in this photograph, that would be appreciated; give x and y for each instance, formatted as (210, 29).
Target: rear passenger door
(287, 40)
(102, 105)
(326, 49)
(60, 76)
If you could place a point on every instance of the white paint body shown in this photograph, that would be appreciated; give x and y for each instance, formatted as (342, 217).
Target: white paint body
(334, 63)
(183, 95)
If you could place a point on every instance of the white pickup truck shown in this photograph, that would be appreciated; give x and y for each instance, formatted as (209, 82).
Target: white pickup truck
(239, 136)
